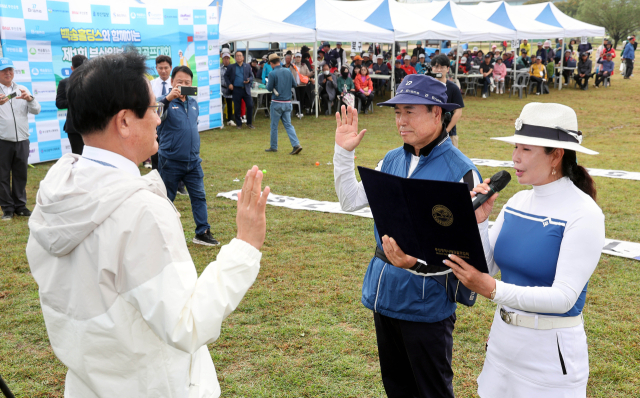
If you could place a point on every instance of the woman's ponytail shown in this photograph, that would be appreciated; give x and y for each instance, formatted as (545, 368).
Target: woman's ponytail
(576, 173)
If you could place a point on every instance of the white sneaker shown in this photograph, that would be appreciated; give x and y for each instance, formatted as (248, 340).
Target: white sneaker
(244, 119)
(484, 95)
(147, 165)
(231, 123)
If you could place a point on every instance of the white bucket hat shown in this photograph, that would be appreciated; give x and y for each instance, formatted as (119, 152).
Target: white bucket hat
(548, 125)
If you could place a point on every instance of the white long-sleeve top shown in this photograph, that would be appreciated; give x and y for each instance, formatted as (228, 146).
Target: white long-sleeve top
(352, 195)
(551, 235)
(123, 304)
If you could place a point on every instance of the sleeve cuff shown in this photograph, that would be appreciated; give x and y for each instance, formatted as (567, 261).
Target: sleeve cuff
(340, 151)
(500, 291)
(239, 246)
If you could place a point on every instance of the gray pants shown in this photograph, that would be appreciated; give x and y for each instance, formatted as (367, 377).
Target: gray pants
(14, 157)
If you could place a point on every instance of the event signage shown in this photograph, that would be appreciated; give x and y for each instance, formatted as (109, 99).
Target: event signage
(41, 37)
(356, 47)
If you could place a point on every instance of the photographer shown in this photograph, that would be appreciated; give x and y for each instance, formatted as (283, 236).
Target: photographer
(179, 151)
(16, 102)
(439, 70)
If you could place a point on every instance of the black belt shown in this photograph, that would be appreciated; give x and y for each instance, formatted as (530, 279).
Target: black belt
(419, 267)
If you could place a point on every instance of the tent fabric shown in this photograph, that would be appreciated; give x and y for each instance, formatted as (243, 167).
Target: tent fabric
(445, 16)
(535, 21)
(381, 16)
(548, 13)
(254, 27)
(331, 22)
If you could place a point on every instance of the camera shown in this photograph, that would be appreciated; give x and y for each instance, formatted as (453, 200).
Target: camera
(428, 72)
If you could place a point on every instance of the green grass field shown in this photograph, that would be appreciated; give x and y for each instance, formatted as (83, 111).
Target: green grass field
(301, 330)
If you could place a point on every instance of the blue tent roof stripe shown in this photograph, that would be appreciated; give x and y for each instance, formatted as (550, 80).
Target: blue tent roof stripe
(304, 16)
(546, 16)
(445, 16)
(500, 17)
(381, 17)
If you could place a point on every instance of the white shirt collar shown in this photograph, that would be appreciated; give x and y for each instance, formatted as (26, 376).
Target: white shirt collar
(112, 158)
(9, 88)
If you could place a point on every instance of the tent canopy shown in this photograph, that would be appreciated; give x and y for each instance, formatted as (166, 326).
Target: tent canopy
(536, 21)
(253, 26)
(329, 21)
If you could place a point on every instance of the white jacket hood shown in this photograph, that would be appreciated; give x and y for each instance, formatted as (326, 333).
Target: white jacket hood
(72, 202)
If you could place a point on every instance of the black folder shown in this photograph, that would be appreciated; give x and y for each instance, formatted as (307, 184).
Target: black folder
(428, 219)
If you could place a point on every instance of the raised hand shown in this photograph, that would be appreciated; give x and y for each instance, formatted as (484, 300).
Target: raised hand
(484, 211)
(347, 135)
(251, 219)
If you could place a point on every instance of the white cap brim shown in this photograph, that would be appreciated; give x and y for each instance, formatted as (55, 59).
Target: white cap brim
(525, 140)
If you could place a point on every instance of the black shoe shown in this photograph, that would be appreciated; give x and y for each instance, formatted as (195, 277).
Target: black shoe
(251, 126)
(23, 212)
(205, 239)
(7, 215)
(296, 150)
(239, 127)
(271, 150)
(182, 191)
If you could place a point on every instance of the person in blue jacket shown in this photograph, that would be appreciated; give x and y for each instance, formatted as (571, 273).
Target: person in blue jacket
(179, 151)
(629, 56)
(281, 82)
(414, 318)
(606, 70)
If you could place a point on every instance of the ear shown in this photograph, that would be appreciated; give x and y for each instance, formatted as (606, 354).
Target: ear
(122, 122)
(437, 115)
(557, 157)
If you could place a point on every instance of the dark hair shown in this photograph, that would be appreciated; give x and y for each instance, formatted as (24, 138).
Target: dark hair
(106, 85)
(576, 173)
(275, 60)
(181, 68)
(77, 60)
(440, 60)
(163, 58)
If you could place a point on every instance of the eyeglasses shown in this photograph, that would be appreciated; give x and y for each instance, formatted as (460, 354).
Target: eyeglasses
(159, 108)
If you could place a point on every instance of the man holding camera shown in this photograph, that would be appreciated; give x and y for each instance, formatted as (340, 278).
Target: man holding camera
(440, 68)
(16, 102)
(179, 150)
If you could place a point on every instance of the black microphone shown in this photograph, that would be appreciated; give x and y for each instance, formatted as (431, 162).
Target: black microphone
(497, 184)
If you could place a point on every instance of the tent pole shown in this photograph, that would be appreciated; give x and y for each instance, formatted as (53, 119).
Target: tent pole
(561, 66)
(315, 71)
(457, 57)
(246, 53)
(392, 81)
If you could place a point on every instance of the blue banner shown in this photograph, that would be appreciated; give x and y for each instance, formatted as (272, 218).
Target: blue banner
(41, 37)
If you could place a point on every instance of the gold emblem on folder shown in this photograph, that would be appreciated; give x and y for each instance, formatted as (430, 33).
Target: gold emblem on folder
(442, 215)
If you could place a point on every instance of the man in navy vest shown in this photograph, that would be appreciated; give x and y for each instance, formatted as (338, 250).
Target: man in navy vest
(414, 319)
(179, 151)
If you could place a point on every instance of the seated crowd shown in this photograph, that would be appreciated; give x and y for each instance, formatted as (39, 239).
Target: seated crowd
(354, 79)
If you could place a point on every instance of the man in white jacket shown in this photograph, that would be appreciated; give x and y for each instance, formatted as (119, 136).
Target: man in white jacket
(124, 308)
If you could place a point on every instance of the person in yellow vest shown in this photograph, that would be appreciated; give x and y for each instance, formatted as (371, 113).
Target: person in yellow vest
(538, 73)
(526, 46)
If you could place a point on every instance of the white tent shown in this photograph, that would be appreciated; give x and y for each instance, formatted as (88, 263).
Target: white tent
(329, 21)
(549, 14)
(441, 20)
(516, 18)
(253, 26)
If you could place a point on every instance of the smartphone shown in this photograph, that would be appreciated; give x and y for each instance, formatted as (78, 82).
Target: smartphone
(12, 95)
(188, 90)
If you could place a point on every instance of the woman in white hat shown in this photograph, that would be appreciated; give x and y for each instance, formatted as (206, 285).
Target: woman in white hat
(546, 242)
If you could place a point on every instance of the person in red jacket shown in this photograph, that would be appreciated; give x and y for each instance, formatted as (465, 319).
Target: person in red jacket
(407, 66)
(364, 88)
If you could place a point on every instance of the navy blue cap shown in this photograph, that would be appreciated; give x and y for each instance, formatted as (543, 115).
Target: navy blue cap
(421, 90)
